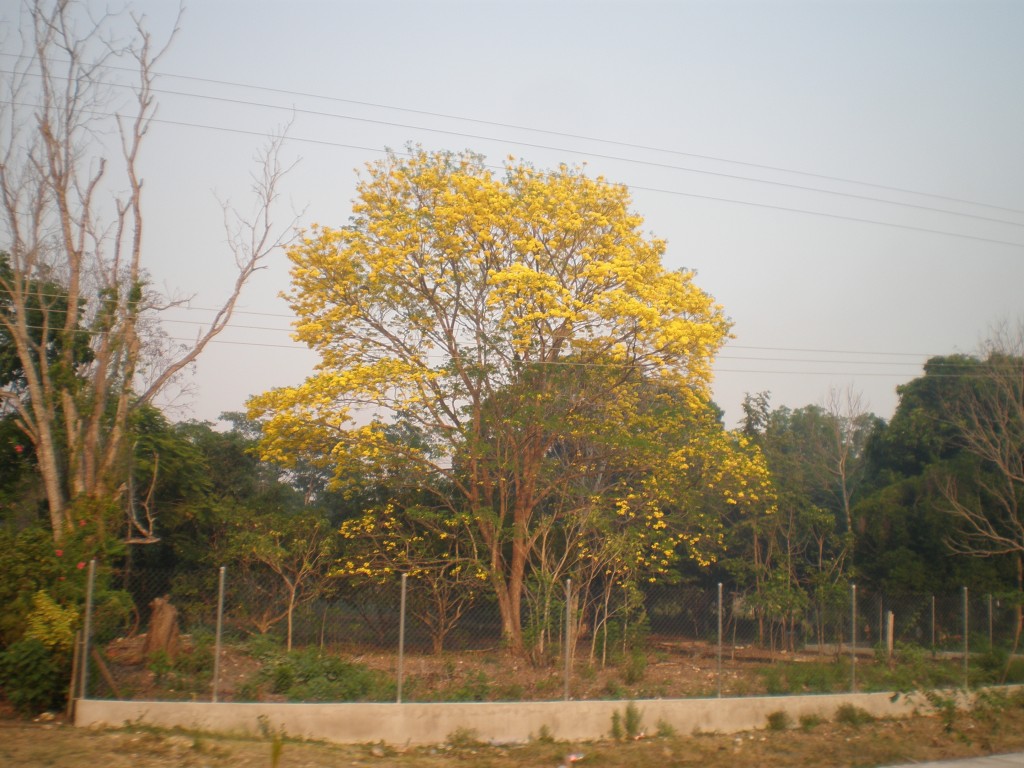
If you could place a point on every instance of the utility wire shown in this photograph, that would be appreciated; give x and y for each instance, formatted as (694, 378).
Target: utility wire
(615, 158)
(678, 193)
(544, 131)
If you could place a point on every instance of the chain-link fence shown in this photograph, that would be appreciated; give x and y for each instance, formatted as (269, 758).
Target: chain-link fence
(240, 636)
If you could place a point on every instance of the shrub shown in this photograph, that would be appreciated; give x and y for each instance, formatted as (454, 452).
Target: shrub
(310, 675)
(474, 688)
(633, 721)
(848, 714)
(617, 731)
(50, 624)
(779, 720)
(666, 729)
(635, 666)
(264, 647)
(463, 738)
(807, 722)
(159, 663)
(33, 677)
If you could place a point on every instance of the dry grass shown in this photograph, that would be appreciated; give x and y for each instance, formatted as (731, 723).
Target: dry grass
(995, 727)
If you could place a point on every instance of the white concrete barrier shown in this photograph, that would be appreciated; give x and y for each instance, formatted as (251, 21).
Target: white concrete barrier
(503, 722)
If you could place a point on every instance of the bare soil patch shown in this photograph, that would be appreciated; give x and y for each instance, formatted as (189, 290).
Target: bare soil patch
(668, 669)
(823, 745)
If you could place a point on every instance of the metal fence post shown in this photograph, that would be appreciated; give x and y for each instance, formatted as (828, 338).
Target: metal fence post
(220, 626)
(853, 638)
(933, 625)
(568, 635)
(719, 639)
(401, 639)
(87, 631)
(990, 621)
(967, 646)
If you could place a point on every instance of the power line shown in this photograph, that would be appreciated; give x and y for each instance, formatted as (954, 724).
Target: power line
(634, 161)
(615, 158)
(678, 193)
(560, 134)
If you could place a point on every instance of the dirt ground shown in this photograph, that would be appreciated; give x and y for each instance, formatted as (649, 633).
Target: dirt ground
(50, 742)
(669, 669)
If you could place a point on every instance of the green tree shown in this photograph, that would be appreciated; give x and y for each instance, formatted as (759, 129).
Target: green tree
(905, 529)
(283, 561)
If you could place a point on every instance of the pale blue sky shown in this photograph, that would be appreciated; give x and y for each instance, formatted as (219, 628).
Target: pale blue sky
(925, 96)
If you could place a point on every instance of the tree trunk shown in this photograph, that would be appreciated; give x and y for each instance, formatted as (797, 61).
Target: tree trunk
(163, 629)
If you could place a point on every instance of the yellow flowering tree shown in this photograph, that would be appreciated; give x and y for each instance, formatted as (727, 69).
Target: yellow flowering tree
(433, 550)
(501, 316)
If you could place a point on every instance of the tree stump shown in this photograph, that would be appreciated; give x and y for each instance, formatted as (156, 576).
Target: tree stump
(163, 629)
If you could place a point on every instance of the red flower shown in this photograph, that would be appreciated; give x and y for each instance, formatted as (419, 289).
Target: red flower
(81, 566)
(59, 552)
(19, 448)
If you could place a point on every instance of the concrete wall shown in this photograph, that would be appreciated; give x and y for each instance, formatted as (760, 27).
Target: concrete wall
(505, 722)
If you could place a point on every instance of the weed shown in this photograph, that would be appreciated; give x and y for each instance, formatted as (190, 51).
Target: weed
(989, 706)
(511, 692)
(633, 721)
(779, 720)
(945, 706)
(545, 736)
(310, 675)
(463, 738)
(474, 688)
(848, 714)
(666, 730)
(614, 689)
(617, 731)
(263, 647)
(807, 722)
(803, 678)
(160, 665)
(635, 667)
(199, 660)
(248, 691)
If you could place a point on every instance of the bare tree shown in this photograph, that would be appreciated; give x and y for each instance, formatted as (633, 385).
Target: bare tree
(75, 302)
(848, 424)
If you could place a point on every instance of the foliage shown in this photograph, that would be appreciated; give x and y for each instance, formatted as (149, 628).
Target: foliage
(932, 493)
(445, 574)
(849, 714)
(632, 721)
(80, 348)
(34, 678)
(286, 558)
(310, 675)
(780, 720)
(524, 327)
(51, 624)
(617, 731)
(808, 722)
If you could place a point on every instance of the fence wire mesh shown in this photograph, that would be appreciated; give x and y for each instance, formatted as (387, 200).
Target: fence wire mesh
(269, 645)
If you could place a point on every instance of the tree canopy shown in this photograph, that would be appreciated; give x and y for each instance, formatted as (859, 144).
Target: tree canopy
(524, 327)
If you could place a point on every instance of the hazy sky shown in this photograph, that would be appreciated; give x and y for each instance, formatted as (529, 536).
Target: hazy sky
(847, 178)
